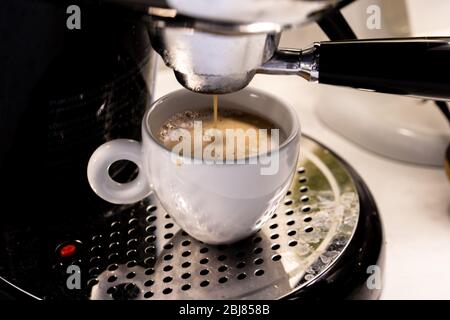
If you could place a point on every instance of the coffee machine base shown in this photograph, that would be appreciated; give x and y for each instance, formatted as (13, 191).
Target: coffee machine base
(324, 242)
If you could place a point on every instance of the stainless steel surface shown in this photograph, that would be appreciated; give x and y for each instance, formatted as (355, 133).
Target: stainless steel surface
(306, 236)
(205, 62)
(304, 63)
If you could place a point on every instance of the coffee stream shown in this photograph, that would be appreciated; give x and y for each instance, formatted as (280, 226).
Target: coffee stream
(215, 108)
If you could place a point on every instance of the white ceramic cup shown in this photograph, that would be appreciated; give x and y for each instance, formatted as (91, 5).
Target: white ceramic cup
(214, 203)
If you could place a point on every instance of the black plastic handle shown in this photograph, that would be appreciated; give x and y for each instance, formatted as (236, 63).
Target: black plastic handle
(414, 66)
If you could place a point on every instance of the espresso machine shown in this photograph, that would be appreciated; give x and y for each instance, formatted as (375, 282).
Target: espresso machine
(66, 91)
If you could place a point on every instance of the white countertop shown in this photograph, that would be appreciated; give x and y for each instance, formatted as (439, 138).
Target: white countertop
(414, 201)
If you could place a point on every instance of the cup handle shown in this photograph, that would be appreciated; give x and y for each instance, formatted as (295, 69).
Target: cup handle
(101, 182)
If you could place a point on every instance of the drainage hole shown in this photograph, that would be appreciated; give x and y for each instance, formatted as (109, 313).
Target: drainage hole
(222, 268)
(131, 253)
(113, 267)
(241, 276)
(149, 283)
(185, 243)
(276, 257)
(223, 280)
(133, 222)
(115, 225)
(186, 254)
(168, 257)
(132, 242)
(304, 199)
(114, 246)
(168, 235)
(149, 271)
(167, 291)
(111, 290)
(185, 287)
(186, 275)
(204, 272)
(149, 261)
(132, 232)
(258, 250)
(259, 272)
(150, 250)
(167, 268)
(306, 209)
(92, 282)
(168, 246)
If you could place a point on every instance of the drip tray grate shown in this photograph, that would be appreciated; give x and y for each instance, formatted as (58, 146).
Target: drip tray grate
(145, 255)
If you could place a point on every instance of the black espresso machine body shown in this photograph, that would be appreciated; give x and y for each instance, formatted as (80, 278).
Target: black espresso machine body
(64, 92)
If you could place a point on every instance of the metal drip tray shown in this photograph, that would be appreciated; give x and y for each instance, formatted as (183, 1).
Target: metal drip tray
(302, 239)
(318, 245)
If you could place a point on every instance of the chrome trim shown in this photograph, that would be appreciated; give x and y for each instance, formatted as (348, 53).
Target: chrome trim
(304, 63)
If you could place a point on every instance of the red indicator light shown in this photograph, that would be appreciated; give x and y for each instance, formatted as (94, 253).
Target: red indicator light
(68, 250)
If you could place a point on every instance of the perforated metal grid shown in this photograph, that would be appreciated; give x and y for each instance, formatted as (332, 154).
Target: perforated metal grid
(145, 255)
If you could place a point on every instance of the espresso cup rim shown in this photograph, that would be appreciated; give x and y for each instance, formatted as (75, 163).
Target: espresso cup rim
(248, 90)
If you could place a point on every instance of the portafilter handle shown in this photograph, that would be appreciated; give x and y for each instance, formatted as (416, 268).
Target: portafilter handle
(414, 66)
